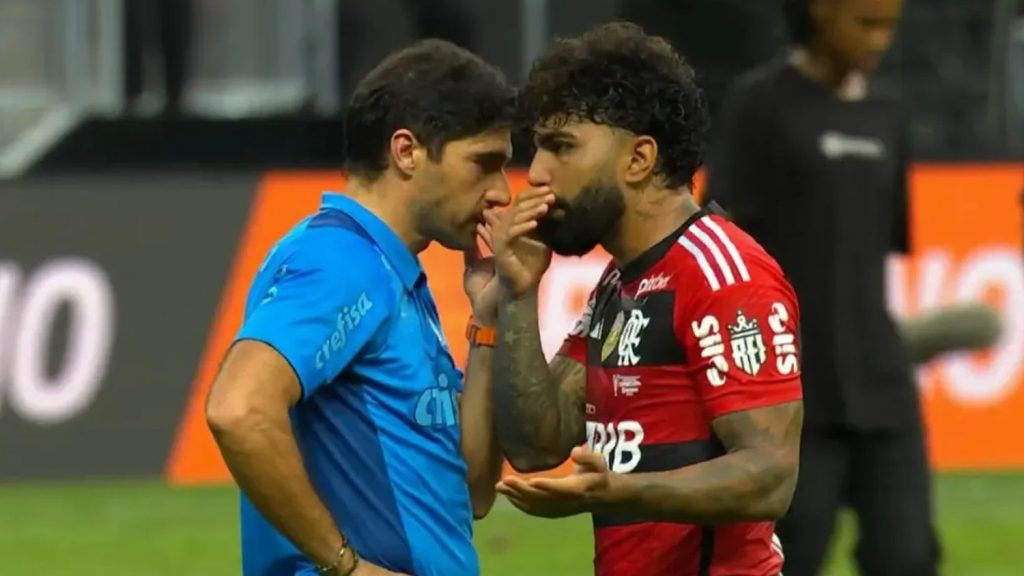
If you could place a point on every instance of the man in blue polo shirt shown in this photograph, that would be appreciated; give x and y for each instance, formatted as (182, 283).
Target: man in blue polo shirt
(339, 409)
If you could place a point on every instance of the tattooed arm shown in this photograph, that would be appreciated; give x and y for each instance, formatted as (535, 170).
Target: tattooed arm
(540, 408)
(753, 481)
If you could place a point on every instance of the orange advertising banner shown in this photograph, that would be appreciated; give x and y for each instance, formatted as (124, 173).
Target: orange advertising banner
(967, 231)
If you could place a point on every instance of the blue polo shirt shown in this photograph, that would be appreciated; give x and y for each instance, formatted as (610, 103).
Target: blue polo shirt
(347, 305)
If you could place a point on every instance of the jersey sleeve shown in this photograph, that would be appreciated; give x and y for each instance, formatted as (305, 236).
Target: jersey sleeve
(319, 314)
(742, 346)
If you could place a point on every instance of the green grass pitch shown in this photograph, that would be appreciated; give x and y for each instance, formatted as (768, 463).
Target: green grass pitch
(114, 529)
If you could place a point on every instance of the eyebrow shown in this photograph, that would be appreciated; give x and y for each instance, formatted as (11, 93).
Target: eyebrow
(492, 157)
(546, 138)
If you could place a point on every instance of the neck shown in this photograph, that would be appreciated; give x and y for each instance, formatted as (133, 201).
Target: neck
(842, 80)
(385, 198)
(657, 214)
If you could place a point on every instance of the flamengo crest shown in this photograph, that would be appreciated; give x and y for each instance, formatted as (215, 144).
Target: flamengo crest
(748, 350)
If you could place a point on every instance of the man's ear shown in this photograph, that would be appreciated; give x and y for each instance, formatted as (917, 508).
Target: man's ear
(642, 159)
(406, 152)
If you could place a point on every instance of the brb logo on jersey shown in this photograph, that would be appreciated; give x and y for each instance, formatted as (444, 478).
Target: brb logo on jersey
(438, 406)
(783, 340)
(618, 442)
(709, 338)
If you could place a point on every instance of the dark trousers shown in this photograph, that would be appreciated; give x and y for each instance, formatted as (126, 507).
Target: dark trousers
(162, 27)
(884, 477)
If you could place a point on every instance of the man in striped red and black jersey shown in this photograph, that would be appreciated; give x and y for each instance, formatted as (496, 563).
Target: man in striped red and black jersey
(682, 378)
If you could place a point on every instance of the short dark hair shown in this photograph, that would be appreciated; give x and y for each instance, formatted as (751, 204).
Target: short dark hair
(799, 24)
(618, 76)
(435, 89)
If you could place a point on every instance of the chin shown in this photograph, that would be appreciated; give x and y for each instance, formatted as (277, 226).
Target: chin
(868, 64)
(571, 248)
(459, 243)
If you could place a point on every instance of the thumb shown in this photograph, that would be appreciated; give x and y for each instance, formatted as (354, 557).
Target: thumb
(586, 459)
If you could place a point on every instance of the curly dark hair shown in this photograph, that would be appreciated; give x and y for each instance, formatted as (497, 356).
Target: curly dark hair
(619, 76)
(435, 89)
(799, 24)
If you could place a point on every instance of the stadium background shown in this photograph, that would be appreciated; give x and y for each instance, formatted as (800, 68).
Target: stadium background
(129, 233)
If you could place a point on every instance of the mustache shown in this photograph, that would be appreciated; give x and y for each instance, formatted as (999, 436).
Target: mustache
(561, 203)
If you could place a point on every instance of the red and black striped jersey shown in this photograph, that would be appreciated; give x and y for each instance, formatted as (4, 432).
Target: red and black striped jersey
(701, 325)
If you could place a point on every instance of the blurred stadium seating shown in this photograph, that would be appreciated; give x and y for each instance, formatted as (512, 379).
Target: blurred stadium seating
(62, 102)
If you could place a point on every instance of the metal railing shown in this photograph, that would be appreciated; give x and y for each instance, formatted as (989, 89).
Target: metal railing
(53, 72)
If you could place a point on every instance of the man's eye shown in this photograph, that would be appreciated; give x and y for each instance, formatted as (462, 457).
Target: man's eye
(559, 147)
(489, 166)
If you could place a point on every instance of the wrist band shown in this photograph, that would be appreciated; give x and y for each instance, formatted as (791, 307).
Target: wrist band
(333, 568)
(481, 335)
(355, 565)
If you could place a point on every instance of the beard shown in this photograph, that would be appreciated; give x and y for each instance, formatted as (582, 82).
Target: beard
(584, 222)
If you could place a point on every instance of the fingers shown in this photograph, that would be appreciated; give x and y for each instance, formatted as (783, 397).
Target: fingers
(519, 492)
(520, 488)
(584, 452)
(521, 505)
(543, 193)
(568, 486)
(522, 229)
(484, 233)
(492, 219)
(518, 221)
(587, 459)
(530, 210)
(502, 230)
(511, 485)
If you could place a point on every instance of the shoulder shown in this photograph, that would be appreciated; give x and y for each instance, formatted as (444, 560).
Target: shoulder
(715, 257)
(329, 242)
(322, 256)
(753, 85)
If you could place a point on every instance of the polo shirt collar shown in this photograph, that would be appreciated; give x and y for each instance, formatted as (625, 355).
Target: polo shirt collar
(394, 249)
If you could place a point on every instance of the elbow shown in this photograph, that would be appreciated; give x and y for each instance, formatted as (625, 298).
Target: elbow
(483, 503)
(528, 454)
(229, 415)
(533, 462)
(483, 491)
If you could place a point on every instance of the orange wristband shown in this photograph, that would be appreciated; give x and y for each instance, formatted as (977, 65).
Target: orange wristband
(480, 335)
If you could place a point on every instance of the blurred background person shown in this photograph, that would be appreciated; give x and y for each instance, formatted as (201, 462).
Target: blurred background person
(815, 167)
(157, 42)
(442, 19)
(720, 38)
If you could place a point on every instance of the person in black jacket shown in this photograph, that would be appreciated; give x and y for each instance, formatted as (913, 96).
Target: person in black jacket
(814, 166)
(720, 38)
(164, 28)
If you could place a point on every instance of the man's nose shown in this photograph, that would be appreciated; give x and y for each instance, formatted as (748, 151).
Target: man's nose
(498, 195)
